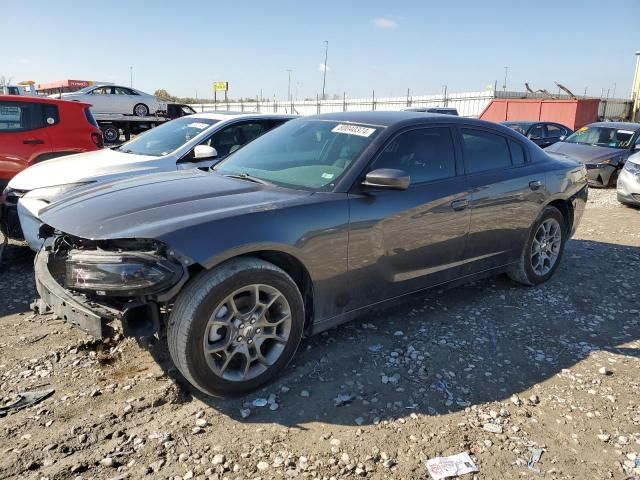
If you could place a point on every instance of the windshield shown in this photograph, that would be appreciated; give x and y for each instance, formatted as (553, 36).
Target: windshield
(302, 154)
(166, 138)
(602, 137)
(520, 127)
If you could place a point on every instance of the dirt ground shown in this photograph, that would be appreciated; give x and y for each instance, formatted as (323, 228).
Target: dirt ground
(490, 368)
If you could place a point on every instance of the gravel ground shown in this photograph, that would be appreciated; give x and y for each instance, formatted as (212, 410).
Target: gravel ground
(491, 369)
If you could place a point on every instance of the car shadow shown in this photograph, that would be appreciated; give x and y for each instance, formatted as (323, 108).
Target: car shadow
(18, 289)
(450, 349)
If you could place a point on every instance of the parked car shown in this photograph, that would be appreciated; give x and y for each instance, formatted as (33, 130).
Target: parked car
(542, 134)
(194, 141)
(442, 110)
(116, 99)
(18, 90)
(303, 229)
(603, 147)
(34, 129)
(629, 181)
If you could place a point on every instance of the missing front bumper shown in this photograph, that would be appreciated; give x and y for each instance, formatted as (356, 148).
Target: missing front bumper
(136, 319)
(69, 307)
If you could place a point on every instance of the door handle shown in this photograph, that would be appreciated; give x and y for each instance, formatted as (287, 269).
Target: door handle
(459, 205)
(535, 185)
(33, 141)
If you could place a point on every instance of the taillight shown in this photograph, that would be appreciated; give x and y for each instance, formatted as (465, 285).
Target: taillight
(97, 139)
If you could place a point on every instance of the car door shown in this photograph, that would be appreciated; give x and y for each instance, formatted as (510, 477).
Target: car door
(124, 100)
(99, 98)
(507, 190)
(23, 136)
(405, 240)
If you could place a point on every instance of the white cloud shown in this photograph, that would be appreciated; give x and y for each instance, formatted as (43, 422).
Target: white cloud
(321, 67)
(385, 23)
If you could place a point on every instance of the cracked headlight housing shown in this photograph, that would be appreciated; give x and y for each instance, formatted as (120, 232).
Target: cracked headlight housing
(120, 273)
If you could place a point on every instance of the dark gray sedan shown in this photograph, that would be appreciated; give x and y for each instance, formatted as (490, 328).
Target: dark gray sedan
(309, 226)
(603, 147)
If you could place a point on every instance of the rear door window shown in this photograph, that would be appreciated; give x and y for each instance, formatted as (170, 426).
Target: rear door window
(22, 116)
(484, 151)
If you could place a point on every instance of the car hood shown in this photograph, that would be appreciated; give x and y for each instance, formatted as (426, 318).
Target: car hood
(99, 165)
(585, 153)
(156, 205)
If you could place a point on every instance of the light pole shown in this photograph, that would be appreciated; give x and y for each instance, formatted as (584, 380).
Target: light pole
(131, 76)
(635, 90)
(504, 85)
(289, 85)
(324, 70)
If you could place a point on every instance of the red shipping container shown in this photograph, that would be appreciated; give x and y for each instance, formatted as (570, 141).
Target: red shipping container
(572, 113)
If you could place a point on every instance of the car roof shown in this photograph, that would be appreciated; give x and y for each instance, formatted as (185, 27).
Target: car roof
(38, 99)
(619, 125)
(225, 115)
(401, 118)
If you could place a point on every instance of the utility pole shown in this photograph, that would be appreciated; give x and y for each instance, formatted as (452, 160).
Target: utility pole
(289, 85)
(131, 76)
(504, 85)
(324, 70)
(635, 91)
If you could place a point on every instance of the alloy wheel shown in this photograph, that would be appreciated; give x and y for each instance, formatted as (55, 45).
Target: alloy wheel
(247, 332)
(545, 248)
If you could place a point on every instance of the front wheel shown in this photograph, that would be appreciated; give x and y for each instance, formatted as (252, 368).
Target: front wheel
(141, 110)
(543, 249)
(236, 327)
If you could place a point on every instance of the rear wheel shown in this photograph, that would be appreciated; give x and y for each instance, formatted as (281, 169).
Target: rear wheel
(236, 327)
(543, 249)
(141, 110)
(110, 133)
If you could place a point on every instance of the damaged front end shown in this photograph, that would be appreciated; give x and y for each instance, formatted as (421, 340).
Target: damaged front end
(105, 286)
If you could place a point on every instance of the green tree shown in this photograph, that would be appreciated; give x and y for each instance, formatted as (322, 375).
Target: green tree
(164, 95)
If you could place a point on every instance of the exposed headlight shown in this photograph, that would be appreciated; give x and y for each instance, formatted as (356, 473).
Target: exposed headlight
(632, 167)
(50, 194)
(119, 273)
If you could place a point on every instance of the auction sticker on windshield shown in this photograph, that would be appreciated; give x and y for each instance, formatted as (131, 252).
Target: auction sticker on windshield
(353, 130)
(199, 126)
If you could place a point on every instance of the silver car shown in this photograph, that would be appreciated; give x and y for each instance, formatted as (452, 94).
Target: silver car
(629, 181)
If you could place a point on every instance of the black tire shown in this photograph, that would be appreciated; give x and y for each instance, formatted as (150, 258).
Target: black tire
(523, 271)
(110, 133)
(140, 110)
(196, 304)
(613, 179)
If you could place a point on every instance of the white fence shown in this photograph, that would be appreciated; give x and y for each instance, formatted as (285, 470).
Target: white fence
(468, 104)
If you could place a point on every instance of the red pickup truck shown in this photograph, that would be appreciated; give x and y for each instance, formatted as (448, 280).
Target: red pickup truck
(33, 129)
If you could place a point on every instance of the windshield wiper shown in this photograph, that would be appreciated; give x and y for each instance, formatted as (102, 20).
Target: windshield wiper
(246, 176)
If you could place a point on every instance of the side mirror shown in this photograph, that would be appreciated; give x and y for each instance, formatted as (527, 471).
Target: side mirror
(388, 178)
(203, 152)
(636, 147)
(562, 138)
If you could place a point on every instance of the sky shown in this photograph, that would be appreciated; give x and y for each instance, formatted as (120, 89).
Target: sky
(385, 46)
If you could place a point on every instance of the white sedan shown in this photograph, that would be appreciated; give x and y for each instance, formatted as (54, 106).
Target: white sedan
(116, 99)
(195, 141)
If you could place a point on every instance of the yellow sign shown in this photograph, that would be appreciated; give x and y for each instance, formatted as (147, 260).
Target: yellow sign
(220, 86)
